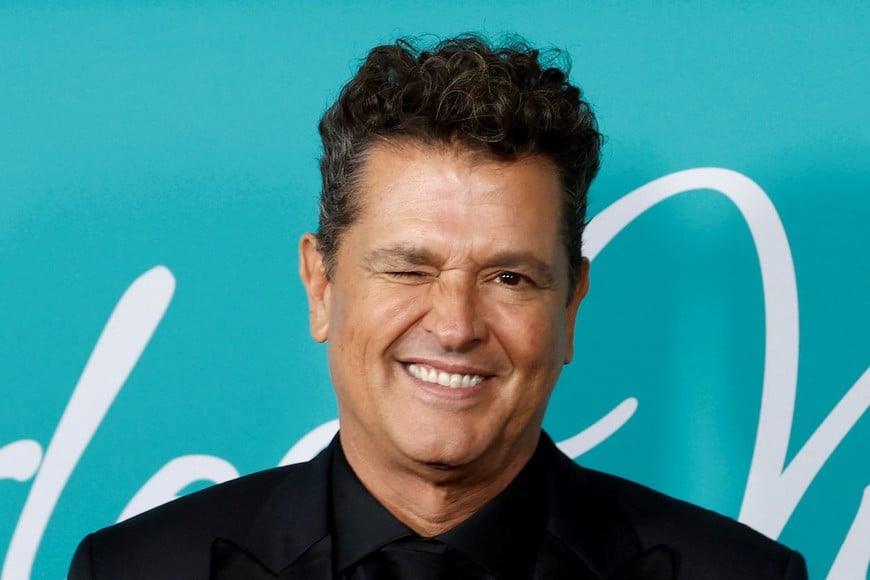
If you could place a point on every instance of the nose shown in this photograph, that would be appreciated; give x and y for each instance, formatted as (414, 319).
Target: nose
(454, 317)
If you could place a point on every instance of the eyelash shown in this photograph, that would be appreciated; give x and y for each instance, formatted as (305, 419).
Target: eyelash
(412, 274)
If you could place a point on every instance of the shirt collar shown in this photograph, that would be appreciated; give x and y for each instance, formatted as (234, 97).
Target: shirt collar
(360, 523)
(503, 536)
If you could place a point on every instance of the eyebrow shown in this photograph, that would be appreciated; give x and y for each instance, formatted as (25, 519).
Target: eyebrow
(403, 255)
(399, 254)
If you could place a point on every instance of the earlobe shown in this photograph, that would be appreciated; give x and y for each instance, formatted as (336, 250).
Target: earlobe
(312, 271)
(580, 291)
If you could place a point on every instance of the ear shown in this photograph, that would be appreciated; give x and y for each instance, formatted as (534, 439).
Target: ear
(572, 308)
(312, 270)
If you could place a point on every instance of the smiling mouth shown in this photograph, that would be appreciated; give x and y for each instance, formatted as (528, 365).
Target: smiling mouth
(451, 380)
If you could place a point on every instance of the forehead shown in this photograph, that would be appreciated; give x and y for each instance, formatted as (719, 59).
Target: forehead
(411, 174)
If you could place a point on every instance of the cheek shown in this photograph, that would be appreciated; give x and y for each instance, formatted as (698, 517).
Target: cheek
(397, 306)
(534, 338)
(370, 318)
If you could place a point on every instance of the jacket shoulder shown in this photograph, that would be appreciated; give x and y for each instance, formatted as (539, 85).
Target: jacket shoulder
(708, 545)
(174, 540)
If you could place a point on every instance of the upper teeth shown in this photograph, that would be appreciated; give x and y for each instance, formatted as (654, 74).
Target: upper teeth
(452, 380)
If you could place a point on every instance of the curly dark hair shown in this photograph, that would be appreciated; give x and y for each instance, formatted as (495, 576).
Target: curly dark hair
(501, 101)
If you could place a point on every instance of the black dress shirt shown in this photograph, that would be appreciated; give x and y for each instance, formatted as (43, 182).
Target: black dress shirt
(504, 540)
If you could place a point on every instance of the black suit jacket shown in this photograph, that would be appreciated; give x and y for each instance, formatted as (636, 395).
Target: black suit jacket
(277, 515)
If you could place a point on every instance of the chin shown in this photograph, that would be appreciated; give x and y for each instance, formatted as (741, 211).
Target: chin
(441, 451)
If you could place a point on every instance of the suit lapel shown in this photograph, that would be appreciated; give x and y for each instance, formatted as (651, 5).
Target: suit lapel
(290, 537)
(586, 518)
(232, 562)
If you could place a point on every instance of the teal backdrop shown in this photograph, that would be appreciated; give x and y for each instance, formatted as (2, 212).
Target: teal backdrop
(169, 151)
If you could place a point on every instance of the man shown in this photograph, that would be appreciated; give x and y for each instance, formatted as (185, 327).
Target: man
(445, 278)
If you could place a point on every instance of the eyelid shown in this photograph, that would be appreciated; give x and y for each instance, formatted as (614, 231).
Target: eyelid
(408, 276)
(406, 273)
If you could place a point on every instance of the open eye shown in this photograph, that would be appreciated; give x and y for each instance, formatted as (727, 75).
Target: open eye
(511, 278)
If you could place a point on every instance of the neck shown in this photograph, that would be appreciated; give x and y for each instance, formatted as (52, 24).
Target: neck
(431, 500)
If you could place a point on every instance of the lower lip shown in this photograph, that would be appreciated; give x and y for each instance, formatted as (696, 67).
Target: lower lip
(442, 392)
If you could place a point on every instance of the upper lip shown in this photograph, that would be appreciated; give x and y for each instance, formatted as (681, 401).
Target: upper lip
(449, 367)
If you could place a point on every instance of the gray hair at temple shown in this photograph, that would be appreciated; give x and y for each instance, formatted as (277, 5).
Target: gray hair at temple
(502, 101)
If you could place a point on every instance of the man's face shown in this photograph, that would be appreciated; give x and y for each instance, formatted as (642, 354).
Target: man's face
(447, 315)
